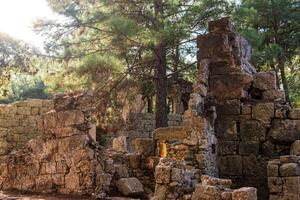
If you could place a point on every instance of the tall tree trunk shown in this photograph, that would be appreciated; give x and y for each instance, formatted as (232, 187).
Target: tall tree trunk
(161, 113)
(176, 63)
(281, 63)
(149, 104)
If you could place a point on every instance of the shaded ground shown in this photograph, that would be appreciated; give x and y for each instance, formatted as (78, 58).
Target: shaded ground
(19, 196)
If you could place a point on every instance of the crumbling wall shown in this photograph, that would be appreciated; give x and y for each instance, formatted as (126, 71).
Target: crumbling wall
(63, 159)
(141, 125)
(18, 123)
(253, 121)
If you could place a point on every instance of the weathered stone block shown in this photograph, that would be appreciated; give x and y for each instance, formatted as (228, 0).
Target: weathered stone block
(294, 113)
(253, 167)
(170, 133)
(134, 160)
(246, 109)
(177, 175)
(265, 81)
(130, 186)
(162, 174)
(246, 193)
(252, 130)
(120, 144)
(226, 129)
(295, 148)
(144, 146)
(222, 25)
(249, 147)
(230, 86)
(272, 95)
(223, 67)
(228, 147)
(231, 165)
(211, 44)
(289, 159)
(121, 171)
(289, 169)
(207, 180)
(291, 187)
(229, 107)
(263, 112)
(285, 131)
(272, 170)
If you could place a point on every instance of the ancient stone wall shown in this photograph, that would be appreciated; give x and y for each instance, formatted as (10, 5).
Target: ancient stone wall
(141, 125)
(63, 159)
(253, 121)
(18, 123)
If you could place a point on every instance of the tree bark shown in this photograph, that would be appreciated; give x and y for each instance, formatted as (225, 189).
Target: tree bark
(281, 63)
(149, 105)
(161, 111)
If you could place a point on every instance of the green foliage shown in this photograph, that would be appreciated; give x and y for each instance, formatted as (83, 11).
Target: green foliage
(273, 29)
(24, 87)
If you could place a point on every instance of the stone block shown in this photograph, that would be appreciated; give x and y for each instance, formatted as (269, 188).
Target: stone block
(265, 81)
(177, 175)
(69, 118)
(228, 147)
(160, 192)
(121, 171)
(222, 25)
(268, 148)
(291, 187)
(223, 67)
(249, 147)
(253, 167)
(130, 186)
(263, 112)
(210, 46)
(170, 133)
(144, 146)
(294, 113)
(246, 109)
(226, 129)
(207, 180)
(231, 165)
(272, 95)
(162, 174)
(252, 130)
(285, 131)
(289, 159)
(229, 107)
(289, 169)
(134, 160)
(120, 144)
(272, 170)
(230, 86)
(245, 193)
(295, 148)
(275, 184)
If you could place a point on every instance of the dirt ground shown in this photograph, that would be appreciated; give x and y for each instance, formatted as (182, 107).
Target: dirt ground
(19, 196)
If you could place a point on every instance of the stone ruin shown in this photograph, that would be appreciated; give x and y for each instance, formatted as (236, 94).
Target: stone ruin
(238, 140)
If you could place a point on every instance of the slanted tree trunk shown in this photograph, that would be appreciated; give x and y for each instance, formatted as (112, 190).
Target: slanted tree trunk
(161, 113)
(281, 63)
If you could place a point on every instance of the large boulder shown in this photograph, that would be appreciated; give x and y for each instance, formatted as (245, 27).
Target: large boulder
(130, 186)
